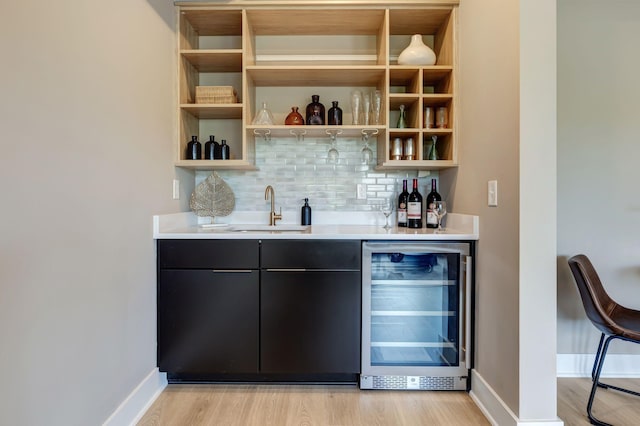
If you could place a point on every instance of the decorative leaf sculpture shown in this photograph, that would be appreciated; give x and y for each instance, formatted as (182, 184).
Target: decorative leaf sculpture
(213, 197)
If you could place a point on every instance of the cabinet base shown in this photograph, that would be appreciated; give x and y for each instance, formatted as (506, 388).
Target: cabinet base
(328, 378)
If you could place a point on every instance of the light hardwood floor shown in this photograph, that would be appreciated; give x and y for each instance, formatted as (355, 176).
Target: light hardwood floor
(283, 405)
(610, 406)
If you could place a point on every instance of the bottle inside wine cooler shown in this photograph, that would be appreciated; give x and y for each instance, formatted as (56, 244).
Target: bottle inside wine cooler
(432, 216)
(403, 199)
(414, 207)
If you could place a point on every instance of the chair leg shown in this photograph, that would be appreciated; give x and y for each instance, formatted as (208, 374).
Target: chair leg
(595, 363)
(600, 355)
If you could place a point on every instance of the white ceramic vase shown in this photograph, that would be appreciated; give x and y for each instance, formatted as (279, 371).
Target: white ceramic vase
(417, 53)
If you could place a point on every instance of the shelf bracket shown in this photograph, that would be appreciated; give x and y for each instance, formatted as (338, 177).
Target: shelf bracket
(299, 134)
(265, 133)
(369, 132)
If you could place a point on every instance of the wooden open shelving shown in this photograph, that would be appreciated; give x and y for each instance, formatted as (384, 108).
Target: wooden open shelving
(304, 46)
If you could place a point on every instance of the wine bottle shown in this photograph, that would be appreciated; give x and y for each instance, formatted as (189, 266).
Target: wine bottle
(432, 216)
(403, 199)
(414, 207)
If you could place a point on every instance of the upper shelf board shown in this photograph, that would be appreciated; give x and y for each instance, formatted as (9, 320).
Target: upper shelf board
(214, 22)
(309, 76)
(316, 21)
(215, 60)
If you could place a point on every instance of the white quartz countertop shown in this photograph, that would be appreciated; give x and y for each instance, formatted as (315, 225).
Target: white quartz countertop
(329, 226)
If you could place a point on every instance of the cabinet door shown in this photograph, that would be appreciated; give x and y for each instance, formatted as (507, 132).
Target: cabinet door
(208, 321)
(310, 322)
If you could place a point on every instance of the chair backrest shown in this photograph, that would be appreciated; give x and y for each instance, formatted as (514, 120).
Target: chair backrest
(597, 303)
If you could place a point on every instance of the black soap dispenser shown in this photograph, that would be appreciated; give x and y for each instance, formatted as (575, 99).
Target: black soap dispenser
(306, 213)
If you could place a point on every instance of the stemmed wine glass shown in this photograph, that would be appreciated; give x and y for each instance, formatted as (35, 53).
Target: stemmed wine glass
(367, 153)
(332, 154)
(387, 208)
(441, 211)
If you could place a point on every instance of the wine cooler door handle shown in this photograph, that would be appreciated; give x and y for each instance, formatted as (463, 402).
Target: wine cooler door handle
(423, 247)
(468, 313)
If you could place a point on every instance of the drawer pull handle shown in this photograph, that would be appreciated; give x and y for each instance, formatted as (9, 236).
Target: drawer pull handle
(286, 270)
(232, 271)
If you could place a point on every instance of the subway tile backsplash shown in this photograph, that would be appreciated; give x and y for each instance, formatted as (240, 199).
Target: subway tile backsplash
(299, 169)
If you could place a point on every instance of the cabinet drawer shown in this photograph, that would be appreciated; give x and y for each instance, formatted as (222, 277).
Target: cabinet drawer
(208, 254)
(305, 254)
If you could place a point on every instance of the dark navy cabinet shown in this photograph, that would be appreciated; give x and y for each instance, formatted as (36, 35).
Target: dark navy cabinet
(248, 310)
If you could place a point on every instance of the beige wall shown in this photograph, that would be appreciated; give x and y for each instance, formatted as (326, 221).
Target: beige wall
(489, 150)
(87, 128)
(508, 123)
(86, 131)
(598, 152)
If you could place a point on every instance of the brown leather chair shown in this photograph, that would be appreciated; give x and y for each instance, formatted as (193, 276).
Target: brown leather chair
(612, 319)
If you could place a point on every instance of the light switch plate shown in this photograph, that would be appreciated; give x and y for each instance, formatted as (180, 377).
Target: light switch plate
(176, 189)
(492, 193)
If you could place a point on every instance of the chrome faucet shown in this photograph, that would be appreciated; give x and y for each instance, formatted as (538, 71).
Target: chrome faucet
(273, 216)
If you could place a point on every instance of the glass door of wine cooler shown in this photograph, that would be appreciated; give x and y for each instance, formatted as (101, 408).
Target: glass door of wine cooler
(415, 317)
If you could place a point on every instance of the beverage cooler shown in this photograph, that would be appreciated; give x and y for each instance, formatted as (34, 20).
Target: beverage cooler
(416, 315)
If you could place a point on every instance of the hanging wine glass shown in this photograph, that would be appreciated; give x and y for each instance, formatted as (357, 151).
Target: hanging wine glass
(333, 154)
(366, 153)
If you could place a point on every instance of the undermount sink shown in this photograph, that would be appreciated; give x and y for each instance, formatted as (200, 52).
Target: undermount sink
(269, 228)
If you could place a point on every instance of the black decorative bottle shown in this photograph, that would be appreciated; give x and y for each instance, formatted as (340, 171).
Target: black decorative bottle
(194, 149)
(211, 148)
(335, 114)
(224, 150)
(315, 112)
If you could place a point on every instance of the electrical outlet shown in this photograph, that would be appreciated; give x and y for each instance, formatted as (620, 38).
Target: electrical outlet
(176, 189)
(492, 193)
(361, 191)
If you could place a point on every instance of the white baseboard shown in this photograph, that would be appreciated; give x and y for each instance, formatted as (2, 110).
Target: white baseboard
(494, 408)
(615, 365)
(139, 400)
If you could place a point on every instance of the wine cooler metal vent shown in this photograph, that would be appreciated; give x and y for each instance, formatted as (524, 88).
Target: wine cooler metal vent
(412, 382)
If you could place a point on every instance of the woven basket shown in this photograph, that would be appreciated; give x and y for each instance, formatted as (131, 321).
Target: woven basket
(216, 95)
